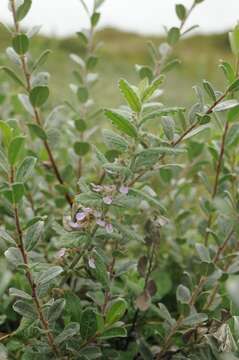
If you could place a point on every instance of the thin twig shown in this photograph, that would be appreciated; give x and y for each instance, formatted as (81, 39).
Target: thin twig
(216, 181)
(21, 247)
(36, 111)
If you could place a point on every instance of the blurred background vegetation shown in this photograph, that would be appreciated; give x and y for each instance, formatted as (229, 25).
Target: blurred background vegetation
(119, 52)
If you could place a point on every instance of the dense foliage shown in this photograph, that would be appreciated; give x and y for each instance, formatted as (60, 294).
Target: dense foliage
(125, 247)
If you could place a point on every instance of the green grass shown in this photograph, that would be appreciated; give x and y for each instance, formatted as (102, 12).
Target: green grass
(120, 51)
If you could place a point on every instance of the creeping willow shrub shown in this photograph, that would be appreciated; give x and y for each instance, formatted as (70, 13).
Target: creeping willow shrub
(128, 250)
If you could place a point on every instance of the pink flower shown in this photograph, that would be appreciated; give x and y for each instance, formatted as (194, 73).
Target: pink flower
(109, 228)
(124, 189)
(100, 222)
(107, 200)
(97, 188)
(80, 216)
(61, 253)
(74, 225)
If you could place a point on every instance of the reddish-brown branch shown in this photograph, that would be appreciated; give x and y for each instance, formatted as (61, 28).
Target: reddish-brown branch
(36, 111)
(216, 181)
(20, 245)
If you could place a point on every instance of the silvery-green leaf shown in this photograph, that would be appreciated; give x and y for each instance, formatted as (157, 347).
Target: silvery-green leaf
(14, 256)
(19, 293)
(24, 100)
(50, 274)
(25, 309)
(13, 56)
(78, 60)
(226, 105)
(34, 31)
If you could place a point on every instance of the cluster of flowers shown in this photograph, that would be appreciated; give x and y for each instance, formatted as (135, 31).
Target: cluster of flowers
(108, 191)
(86, 216)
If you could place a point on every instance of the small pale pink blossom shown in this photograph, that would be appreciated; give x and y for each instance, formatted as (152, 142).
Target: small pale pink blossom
(74, 225)
(124, 189)
(61, 253)
(107, 200)
(109, 228)
(80, 216)
(100, 222)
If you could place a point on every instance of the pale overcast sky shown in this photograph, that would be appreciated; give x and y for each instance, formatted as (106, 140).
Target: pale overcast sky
(64, 17)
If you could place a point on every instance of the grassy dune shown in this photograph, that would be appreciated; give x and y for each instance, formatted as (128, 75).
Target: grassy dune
(120, 51)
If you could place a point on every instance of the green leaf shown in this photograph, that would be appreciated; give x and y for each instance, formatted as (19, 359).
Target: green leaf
(73, 306)
(149, 157)
(81, 148)
(18, 192)
(234, 86)
(13, 75)
(163, 312)
(83, 38)
(130, 95)
(173, 35)
(98, 3)
(91, 62)
(203, 253)
(14, 256)
(162, 112)
(88, 323)
(6, 237)
(41, 60)
(20, 44)
(25, 309)
(195, 319)
(226, 105)
(15, 147)
(233, 114)
(33, 235)
(209, 89)
(39, 95)
(56, 309)
(168, 127)
(115, 141)
(80, 125)
(25, 169)
(152, 88)
(114, 332)
(25, 102)
(183, 294)
(83, 94)
(95, 19)
(23, 10)
(7, 132)
(170, 65)
(197, 131)
(228, 71)
(19, 293)
(99, 270)
(153, 201)
(181, 11)
(115, 311)
(37, 130)
(122, 123)
(70, 330)
(144, 72)
(49, 275)
(4, 167)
